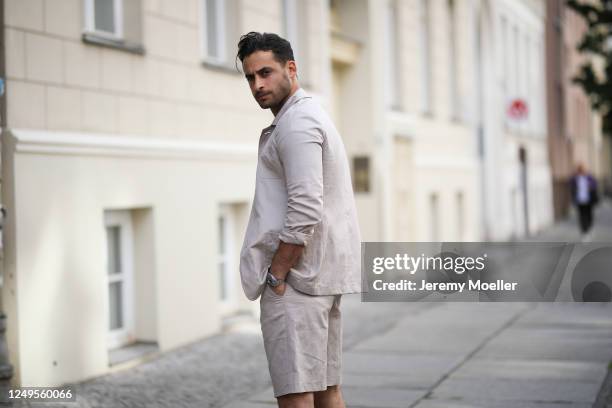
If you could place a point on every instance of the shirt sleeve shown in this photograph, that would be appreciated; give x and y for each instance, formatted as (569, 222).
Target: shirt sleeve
(300, 149)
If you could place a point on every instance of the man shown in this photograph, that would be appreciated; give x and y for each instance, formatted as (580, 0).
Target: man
(301, 249)
(584, 195)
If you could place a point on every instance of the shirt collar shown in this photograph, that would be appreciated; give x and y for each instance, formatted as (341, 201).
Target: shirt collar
(297, 95)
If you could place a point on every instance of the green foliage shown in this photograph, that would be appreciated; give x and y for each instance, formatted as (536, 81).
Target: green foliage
(597, 42)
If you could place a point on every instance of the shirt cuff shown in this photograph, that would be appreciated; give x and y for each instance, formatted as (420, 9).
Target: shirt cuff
(296, 238)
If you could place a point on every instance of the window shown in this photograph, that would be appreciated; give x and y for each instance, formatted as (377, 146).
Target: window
(105, 17)
(504, 76)
(452, 57)
(114, 23)
(517, 64)
(225, 238)
(392, 65)
(361, 174)
(295, 28)
(426, 65)
(214, 30)
(223, 261)
(120, 270)
(434, 214)
(525, 90)
(219, 30)
(460, 216)
(290, 24)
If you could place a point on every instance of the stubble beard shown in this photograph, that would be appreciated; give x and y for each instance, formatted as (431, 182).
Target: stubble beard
(279, 97)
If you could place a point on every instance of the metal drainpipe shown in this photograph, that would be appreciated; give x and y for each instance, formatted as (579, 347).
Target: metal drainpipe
(6, 369)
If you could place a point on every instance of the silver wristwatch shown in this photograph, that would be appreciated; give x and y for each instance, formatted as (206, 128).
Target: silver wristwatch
(272, 280)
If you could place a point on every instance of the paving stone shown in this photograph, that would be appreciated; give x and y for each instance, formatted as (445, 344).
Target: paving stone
(517, 390)
(266, 396)
(380, 398)
(496, 404)
(403, 382)
(427, 366)
(591, 372)
(552, 347)
(422, 339)
(246, 404)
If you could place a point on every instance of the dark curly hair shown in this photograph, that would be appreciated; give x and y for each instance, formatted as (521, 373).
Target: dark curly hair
(254, 41)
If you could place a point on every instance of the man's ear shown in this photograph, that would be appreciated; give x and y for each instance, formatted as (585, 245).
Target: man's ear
(292, 66)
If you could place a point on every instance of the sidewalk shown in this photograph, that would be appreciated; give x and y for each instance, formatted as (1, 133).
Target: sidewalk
(480, 355)
(484, 355)
(421, 355)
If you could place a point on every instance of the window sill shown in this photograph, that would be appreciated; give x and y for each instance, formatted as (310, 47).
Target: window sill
(217, 66)
(138, 351)
(395, 109)
(121, 45)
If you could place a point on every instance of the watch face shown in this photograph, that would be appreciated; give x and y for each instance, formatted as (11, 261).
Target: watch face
(271, 280)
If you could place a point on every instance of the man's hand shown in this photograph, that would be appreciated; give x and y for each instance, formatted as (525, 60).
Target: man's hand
(285, 258)
(280, 289)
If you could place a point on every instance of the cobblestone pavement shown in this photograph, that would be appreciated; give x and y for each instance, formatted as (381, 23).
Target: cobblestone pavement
(217, 370)
(423, 355)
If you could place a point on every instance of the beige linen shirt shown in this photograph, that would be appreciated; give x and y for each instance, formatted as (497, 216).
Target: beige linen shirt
(304, 196)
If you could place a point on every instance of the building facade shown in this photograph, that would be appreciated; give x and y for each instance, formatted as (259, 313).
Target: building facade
(511, 118)
(575, 131)
(129, 151)
(402, 95)
(130, 140)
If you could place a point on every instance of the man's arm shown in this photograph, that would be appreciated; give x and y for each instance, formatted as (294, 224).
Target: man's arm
(300, 150)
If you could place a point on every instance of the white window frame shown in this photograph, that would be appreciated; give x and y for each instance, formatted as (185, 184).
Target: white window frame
(220, 8)
(227, 257)
(90, 20)
(123, 220)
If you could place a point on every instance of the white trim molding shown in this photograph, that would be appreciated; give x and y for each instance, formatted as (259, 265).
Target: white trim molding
(118, 145)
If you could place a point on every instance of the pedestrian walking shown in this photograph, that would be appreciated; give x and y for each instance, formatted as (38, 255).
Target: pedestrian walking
(583, 187)
(301, 249)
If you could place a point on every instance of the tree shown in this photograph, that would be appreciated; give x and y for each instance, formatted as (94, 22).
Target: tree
(597, 42)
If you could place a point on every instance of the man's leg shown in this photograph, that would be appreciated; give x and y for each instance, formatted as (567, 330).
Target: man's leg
(589, 217)
(300, 400)
(295, 334)
(582, 215)
(330, 398)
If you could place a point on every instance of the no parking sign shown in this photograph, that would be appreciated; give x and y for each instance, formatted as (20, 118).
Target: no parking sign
(517, 109)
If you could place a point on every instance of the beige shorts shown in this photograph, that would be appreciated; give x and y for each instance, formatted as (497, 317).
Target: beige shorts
(303, 340)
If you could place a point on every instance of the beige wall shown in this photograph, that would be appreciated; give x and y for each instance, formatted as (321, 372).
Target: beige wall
(58, 82)
(61, 276)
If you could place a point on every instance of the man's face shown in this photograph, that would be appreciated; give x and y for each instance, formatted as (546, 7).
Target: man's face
(269, 80)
